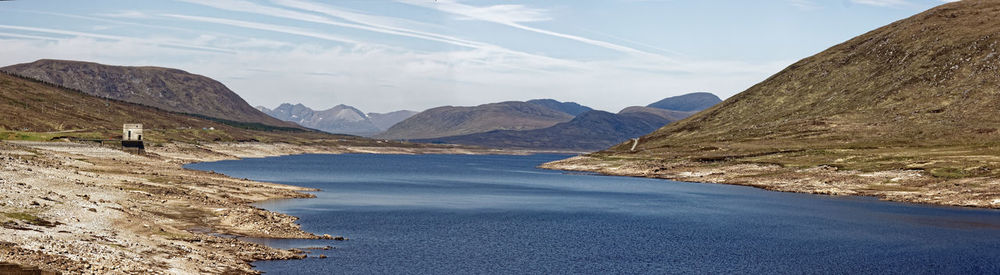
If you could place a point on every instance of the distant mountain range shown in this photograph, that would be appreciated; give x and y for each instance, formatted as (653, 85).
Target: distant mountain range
(534, 124)
(453, 121)
(164, 88)
(590, 130)
(340, 119)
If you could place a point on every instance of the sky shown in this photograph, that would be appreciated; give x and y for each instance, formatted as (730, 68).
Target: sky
(386, 55)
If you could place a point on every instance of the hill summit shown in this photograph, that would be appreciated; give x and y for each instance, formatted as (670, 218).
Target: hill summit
(687, 102)
(164, 88)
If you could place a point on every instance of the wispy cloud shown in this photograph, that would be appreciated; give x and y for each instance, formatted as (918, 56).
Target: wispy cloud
(503, 13)
(513, 17)
(131, 14)
(158, 42)
(804, 4)
(268, 27)
(882, 3)
(25, 36)
(378, 24)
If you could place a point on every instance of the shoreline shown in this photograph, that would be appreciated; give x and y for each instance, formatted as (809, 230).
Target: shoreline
(897, 185)
(88, 209)
(82, 208)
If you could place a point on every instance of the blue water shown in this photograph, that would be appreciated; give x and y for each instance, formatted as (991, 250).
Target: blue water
(458, 214)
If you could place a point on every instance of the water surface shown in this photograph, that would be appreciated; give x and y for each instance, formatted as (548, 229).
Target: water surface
(460, 214)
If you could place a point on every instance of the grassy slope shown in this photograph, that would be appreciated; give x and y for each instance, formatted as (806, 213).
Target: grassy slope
(921, 93)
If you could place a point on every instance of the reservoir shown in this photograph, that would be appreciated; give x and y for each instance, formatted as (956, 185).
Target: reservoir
(487, 214)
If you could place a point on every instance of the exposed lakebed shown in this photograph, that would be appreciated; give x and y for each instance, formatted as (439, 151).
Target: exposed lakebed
(499, 214)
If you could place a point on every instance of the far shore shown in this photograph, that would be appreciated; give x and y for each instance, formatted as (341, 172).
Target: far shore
(894, 185)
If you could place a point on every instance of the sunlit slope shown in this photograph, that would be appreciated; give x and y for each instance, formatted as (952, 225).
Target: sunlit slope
(916, 86)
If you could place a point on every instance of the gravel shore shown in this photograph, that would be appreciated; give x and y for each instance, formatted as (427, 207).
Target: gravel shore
(893, 185)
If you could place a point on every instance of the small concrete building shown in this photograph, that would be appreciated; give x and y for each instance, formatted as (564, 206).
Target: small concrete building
(132, 132)
(132, 137)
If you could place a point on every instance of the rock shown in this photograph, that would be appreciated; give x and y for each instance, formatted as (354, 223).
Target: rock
(321, 256)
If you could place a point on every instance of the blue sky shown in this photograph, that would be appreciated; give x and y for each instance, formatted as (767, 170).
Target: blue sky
(382, 55)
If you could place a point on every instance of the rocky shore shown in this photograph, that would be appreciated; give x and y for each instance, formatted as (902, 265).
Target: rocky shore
(894, 185)
(85, 209)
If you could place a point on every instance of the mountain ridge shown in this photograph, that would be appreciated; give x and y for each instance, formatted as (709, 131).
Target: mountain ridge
(450, 120)
(340, 119)
(164, 88)
(572, 108)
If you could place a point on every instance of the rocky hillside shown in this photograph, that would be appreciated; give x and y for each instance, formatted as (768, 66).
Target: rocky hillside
(384, 121)
(340, 119)
(168, 89)
(918, 95)
(453, 121)
(589, 131)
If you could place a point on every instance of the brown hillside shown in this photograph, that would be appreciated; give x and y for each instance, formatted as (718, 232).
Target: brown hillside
(168, 89)
(906, 112)
(32, 109)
